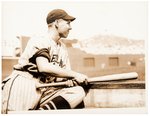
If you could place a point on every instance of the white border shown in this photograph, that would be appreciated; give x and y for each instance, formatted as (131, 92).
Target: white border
(93, 111)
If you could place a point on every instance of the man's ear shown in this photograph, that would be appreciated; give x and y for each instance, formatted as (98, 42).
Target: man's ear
(56, 23)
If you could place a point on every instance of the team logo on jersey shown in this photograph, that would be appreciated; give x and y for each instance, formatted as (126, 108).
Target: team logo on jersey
(56, 62)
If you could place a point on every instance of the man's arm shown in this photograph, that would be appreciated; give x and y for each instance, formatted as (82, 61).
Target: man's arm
(46, 67)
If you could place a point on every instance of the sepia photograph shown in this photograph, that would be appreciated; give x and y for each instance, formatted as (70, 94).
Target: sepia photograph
(78, 56)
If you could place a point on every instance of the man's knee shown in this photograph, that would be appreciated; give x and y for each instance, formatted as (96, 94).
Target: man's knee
(77, 91)
(74, 95)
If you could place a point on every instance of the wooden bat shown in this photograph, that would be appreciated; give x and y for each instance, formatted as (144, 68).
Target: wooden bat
(113, 77)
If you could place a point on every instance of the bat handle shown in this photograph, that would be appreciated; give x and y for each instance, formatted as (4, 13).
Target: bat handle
(38, 85)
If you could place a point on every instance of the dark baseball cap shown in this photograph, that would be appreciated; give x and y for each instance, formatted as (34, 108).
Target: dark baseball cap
(58, 14)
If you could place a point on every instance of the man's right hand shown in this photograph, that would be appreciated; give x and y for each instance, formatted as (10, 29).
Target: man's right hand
(80, 78)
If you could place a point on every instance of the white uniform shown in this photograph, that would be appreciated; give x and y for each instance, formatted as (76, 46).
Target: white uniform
(17, 92)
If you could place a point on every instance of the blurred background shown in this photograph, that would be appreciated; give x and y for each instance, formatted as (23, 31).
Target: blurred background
(106, 37)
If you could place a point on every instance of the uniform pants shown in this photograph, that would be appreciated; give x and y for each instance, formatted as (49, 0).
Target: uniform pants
(20, 94)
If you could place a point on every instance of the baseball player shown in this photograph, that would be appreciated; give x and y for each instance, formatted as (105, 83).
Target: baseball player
(44, 60)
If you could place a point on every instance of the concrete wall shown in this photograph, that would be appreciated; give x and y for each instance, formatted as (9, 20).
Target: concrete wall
(115, 98)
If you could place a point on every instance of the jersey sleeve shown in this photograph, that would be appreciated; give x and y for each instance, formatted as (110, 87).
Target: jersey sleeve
(35, 47)
(43, 52)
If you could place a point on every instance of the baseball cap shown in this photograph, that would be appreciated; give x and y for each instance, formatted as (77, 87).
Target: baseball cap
(58, 14)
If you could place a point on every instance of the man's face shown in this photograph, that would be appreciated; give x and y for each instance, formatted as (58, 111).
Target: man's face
(63, 28)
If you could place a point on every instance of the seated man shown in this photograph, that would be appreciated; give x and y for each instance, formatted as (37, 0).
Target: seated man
(44, 60)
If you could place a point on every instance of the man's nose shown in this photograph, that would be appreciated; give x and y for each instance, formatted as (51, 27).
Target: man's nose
(70, 28)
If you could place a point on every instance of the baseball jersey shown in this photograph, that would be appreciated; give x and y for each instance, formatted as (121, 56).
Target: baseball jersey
(56, 53)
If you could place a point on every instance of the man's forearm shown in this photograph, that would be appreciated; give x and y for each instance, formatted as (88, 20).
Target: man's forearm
(59, 72)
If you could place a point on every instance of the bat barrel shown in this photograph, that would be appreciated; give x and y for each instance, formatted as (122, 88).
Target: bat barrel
(113, 77)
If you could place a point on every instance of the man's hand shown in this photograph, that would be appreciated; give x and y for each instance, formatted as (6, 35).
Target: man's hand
(70, 83)
(80, 78)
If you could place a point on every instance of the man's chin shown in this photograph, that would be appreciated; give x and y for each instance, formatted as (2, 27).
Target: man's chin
(64, 36)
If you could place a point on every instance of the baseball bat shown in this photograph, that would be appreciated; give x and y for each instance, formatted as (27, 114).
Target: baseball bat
(113, 77)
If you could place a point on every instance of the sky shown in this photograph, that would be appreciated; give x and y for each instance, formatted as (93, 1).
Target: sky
(126, 19)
